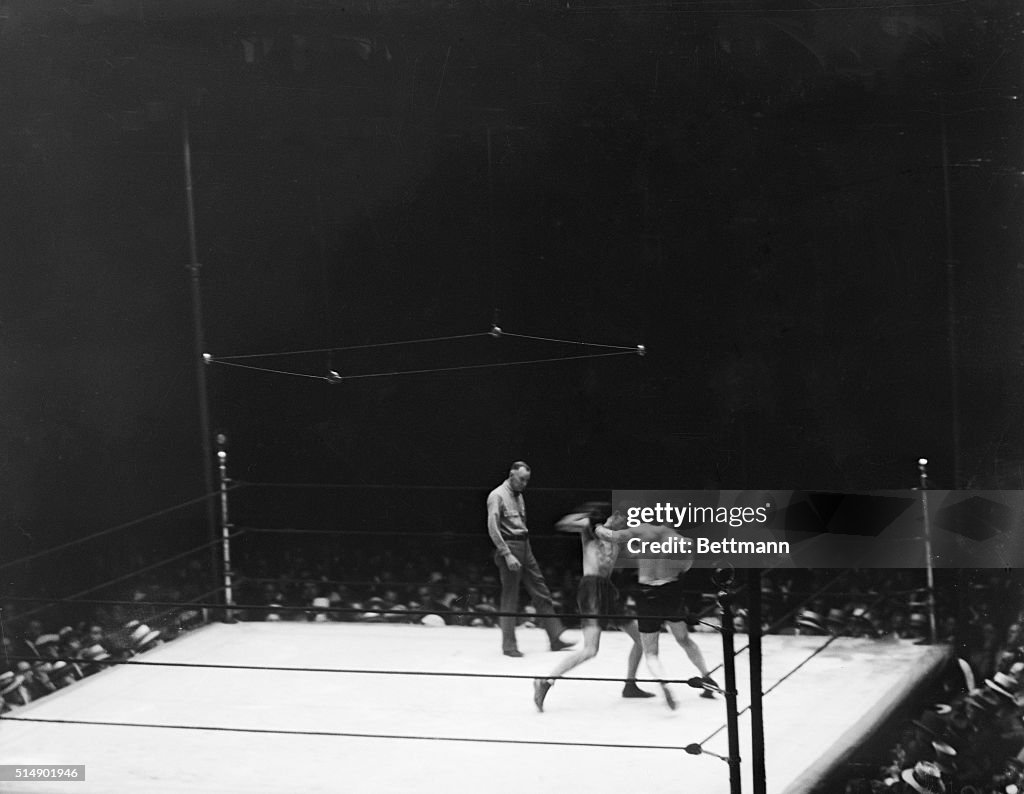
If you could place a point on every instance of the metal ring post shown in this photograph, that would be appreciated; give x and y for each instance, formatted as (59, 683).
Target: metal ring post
(225, 525)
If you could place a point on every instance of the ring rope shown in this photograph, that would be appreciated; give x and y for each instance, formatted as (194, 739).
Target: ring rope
(346, 610)
(814, 653)
(109, 530)
(694, 682)
(279, 731)
(146, 569)
(393, 584)
(743, 711)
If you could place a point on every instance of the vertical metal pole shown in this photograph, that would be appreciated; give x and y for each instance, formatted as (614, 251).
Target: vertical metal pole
(922, 464)
(225, 524)
(200, 345)
(951, 310)
(732, 719)
(756, 714)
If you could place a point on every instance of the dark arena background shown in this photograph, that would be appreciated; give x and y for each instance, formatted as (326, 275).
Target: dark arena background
(287, 287)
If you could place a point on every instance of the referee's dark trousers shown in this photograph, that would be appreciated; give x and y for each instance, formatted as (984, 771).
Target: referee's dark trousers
(530, 576)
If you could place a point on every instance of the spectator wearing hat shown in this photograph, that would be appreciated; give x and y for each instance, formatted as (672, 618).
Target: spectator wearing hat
(48, 646)
(861, 623)
(836, 621)
(93, 658)
(70, 647)
(428, 601)
(35, 678)
(396, 606)
(319, 612)
(189, 619)
(13, 689)
(143, 638)
(123, 646)
(25, 645)
(924, 777)
(917, 628)
(1011, 650)
(1010, 774)
(61, 674)
(810, 623)
(945, 759)
(97, 635)
(271, 598)
(372, 604)
(482, 605)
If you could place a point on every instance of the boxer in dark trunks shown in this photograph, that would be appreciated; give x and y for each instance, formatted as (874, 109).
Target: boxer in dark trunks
(661, 600)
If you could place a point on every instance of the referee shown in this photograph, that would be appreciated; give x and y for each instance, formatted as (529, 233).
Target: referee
(506, 524)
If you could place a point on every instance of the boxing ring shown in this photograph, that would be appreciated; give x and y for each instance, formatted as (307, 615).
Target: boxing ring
(329, 707)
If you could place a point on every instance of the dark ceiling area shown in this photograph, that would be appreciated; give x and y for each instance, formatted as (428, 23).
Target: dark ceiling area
(809, 215)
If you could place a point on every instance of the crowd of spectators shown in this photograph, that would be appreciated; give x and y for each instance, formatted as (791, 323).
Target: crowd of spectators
(46, 648)
(971, 743)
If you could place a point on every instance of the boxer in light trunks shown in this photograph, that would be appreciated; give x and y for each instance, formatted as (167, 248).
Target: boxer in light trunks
(596, 595)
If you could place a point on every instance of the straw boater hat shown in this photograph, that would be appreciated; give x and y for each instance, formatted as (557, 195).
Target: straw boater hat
(810, 620)
(95, 653)
(925, 777)
(46, 639)
(10, 681)
(968, 673)
(143, 635)
(945, 757)
(321, 603)
(61, 669)
(1003, 684)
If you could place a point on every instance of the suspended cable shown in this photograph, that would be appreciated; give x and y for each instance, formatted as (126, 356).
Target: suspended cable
(631, 348)
(343, 348)
(334, 377)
